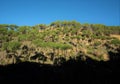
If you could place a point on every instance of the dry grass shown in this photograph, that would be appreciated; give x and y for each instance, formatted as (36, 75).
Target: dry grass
(116, 36)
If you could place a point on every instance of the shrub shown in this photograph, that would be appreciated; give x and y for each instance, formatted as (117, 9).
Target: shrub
(97, 43)
(14, 45)
(115, 42)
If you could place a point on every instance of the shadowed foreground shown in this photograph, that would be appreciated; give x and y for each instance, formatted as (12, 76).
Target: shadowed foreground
(73, 71)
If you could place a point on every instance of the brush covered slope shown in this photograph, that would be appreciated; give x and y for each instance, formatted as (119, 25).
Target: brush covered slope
(58, 42)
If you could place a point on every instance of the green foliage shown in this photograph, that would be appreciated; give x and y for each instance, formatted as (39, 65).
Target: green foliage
(37, 42)
(97, 43)
(68, 24)
(86, 32)
(14, 45)
(113, 29)
(5, 46)
(99, 37)
(115, 42)
(23, 29)
(13, 27)
(60, 46)
(62, 38)
(54, 45)
(41, 26)
(3, 30)
(22, 37)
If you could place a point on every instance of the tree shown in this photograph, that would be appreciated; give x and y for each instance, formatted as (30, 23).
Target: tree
(56, 24)
(13, 27)
(12, 46)
(23, 29)
(75, 24)
(3, 33)
(41, 26)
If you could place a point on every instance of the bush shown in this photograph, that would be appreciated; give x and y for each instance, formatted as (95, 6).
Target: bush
(115, 42)
(97, 43)
(14, 45)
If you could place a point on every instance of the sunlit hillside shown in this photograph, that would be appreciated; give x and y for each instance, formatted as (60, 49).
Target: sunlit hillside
(58, 42)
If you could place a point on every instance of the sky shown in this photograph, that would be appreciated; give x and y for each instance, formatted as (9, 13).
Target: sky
(32, 12)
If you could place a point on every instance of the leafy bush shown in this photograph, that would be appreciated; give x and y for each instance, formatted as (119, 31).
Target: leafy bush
(115, 42)
(14, 45)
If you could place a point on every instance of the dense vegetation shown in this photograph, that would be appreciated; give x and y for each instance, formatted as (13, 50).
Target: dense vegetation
(58, 42)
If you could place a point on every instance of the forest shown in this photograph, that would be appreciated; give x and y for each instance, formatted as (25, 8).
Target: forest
(58, 53)
(58, 42)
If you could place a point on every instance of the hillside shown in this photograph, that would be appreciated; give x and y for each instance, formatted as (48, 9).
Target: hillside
(58, 42)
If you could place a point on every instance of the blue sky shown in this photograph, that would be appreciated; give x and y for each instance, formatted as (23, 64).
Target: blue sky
(32, 12)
